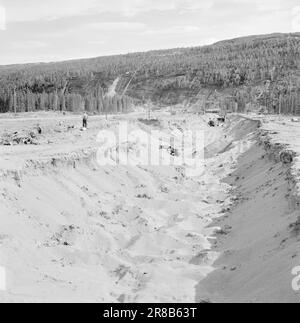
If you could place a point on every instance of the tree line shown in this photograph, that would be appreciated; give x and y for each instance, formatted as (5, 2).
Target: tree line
(24, 100)
(258, 70)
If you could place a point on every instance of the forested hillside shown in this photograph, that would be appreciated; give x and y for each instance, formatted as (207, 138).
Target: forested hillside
(246, 72)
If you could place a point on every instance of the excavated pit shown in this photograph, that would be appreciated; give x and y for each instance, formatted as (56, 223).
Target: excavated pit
(74, 231)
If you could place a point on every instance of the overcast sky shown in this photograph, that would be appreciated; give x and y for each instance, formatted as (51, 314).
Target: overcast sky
(52, 30)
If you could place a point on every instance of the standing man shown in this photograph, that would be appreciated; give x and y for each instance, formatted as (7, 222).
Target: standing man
(85, 120)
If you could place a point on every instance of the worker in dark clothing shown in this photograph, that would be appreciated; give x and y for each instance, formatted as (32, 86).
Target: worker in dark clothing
(85, 120)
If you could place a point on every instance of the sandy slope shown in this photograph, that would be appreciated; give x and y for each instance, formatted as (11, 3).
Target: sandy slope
(260, 242)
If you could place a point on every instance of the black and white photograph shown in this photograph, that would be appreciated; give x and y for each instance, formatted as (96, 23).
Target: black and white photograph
(149, 154)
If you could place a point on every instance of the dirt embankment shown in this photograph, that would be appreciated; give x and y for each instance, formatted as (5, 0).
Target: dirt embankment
(259, 238)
